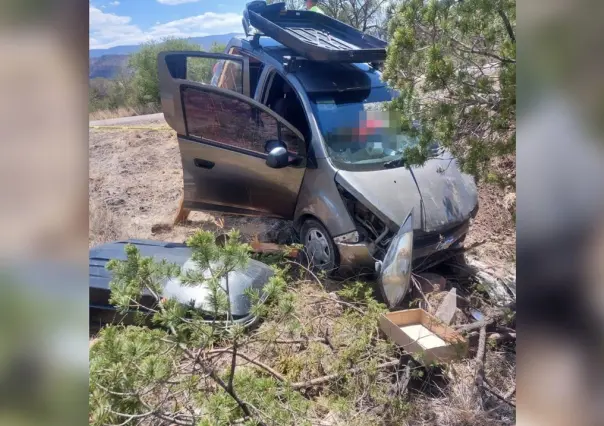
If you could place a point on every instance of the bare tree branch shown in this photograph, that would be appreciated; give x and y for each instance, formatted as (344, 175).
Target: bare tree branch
(233, 365)
(265, 367)
(496, 394)
(330, 377)
(130, 417)
(480, 355)
(507, 24)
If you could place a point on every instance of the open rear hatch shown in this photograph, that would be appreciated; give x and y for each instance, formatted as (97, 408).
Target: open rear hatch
(314, 36)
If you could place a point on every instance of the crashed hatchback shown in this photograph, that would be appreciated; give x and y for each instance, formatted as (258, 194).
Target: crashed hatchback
(265, 131)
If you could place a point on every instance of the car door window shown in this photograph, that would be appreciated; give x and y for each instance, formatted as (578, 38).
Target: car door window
(222, 73)
(234, 122)
(281, 98)
(177, 70)
(256, 67)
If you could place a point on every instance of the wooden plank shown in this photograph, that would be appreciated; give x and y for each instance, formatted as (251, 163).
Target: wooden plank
(259, 247)
(182, 214)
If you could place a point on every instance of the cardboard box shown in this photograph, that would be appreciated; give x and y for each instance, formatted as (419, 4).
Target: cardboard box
(418, 332)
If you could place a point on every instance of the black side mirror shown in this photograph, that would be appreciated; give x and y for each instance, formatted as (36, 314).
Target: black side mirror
(277, 158)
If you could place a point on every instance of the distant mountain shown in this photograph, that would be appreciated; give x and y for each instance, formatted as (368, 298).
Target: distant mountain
(205, 41)
(107, 66)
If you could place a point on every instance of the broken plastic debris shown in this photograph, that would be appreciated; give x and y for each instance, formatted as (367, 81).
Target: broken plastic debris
(476, 314)
(446, 310)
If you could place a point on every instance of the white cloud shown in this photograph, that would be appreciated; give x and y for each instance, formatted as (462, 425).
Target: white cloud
(114, 3)
(196, 26)
(175, 2)
(108, 29)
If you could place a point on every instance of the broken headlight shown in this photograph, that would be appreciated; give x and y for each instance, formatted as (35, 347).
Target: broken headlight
(395, 270)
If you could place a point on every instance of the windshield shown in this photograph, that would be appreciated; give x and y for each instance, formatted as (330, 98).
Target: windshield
(358, 130)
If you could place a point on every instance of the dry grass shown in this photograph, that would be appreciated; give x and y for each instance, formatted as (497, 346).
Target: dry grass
(495, 222)
(123, 112)
(458, 405)
(104, 225)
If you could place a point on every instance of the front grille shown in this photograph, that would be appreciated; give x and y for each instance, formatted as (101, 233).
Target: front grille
(433, 238)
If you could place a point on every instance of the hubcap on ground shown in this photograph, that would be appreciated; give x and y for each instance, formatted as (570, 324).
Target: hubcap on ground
(318, 247)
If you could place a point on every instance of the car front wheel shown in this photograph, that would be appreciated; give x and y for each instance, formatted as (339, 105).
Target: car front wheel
(319, 246)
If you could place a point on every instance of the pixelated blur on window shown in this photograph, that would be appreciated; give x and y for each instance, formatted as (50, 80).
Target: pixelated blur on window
(358, 128)
(233, 122)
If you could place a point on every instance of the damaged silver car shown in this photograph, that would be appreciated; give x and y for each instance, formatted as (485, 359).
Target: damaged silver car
(266, 132)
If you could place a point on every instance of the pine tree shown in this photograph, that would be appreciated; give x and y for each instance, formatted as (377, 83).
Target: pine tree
(454, 64)
(131, 366)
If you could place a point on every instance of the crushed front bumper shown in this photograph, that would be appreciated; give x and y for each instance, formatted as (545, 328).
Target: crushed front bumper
(405, 250)
(430, 244)
(394, 272)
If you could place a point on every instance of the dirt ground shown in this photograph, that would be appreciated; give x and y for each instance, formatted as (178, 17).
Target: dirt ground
(135, 182)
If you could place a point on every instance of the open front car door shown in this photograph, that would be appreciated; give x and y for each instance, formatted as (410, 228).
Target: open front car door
(238, 156)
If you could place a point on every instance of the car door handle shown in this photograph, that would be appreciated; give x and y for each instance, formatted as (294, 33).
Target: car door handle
(204, 164)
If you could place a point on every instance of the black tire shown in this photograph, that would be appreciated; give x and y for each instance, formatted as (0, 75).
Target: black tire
(320, 250)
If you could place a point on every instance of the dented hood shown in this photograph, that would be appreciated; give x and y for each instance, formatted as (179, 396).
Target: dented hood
(439, 194)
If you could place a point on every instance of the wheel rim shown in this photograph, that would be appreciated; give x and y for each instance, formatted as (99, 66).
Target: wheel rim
(318, 248)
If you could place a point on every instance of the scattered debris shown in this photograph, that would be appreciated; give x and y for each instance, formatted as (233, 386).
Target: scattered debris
(509, 202)
(476, 314)
(280, 232)
(446, 310)
(497, 282)
(424, 284)
(330, 377)
(160, 227)
(418, 332)
(260, 247)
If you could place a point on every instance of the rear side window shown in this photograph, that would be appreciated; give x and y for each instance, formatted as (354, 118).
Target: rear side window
(255, 69)
(233, 122)
(222, 73)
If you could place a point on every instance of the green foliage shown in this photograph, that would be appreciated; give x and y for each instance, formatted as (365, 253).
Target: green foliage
(139, 86)
(144, 63)
(274, 293)
(360, 292)
(363, 326)
(125, 360)
(110, 94)
(134, 275)
(454, 64)
(279, 405)
(128, 359)
(171, 372)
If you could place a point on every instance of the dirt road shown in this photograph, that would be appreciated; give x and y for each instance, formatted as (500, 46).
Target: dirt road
(131, 121)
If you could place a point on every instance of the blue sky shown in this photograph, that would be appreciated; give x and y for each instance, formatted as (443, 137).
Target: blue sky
(124, 22)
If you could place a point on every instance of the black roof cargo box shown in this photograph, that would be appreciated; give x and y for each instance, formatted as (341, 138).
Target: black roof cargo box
(313, 35)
